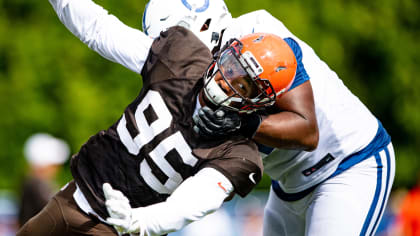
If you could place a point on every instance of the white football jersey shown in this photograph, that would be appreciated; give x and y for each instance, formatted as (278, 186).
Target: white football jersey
(345, 125)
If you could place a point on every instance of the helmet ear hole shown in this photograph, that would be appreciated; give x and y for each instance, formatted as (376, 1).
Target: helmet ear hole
(206, 25)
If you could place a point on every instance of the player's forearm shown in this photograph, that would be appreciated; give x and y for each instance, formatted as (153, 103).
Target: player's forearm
(288, 130)
(104, 33)
(295, 126)
(195, 198)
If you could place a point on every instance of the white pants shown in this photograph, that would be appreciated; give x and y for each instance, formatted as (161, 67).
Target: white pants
(349, 204)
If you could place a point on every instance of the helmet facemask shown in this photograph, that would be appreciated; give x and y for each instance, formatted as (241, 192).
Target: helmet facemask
(232, 81)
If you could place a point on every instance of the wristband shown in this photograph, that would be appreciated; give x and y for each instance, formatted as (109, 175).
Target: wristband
(250, 124)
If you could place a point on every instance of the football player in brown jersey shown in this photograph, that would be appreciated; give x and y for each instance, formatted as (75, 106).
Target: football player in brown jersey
(240, 80)
(150, 172)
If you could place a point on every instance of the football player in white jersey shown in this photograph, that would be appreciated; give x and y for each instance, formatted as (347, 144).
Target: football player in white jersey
(331, 161)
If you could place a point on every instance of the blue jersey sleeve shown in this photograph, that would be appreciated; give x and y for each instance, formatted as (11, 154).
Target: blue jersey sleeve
(301, 75)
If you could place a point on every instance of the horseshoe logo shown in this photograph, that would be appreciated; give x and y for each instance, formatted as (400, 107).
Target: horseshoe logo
(200, 9)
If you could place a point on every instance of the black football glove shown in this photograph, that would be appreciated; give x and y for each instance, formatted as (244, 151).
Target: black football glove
(223, 122)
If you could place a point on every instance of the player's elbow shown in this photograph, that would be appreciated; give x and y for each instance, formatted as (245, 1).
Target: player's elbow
(311, 140)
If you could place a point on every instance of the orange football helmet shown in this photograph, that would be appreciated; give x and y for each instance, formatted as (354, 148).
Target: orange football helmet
(248, 74)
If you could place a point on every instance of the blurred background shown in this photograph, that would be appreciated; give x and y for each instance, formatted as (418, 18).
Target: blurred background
(51, 82)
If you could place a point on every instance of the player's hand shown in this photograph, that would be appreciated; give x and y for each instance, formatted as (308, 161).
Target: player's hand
(223, 122)
(119, 210)
(219, 123)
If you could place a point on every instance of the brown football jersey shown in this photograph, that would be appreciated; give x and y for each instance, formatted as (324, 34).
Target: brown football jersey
(153, 147)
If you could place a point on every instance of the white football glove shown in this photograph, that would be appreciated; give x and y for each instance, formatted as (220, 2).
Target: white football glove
(120, 211)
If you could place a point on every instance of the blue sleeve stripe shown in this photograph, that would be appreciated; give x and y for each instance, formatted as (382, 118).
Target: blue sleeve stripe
(301, 75)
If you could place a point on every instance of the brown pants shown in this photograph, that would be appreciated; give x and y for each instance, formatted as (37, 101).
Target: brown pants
(61, 216)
